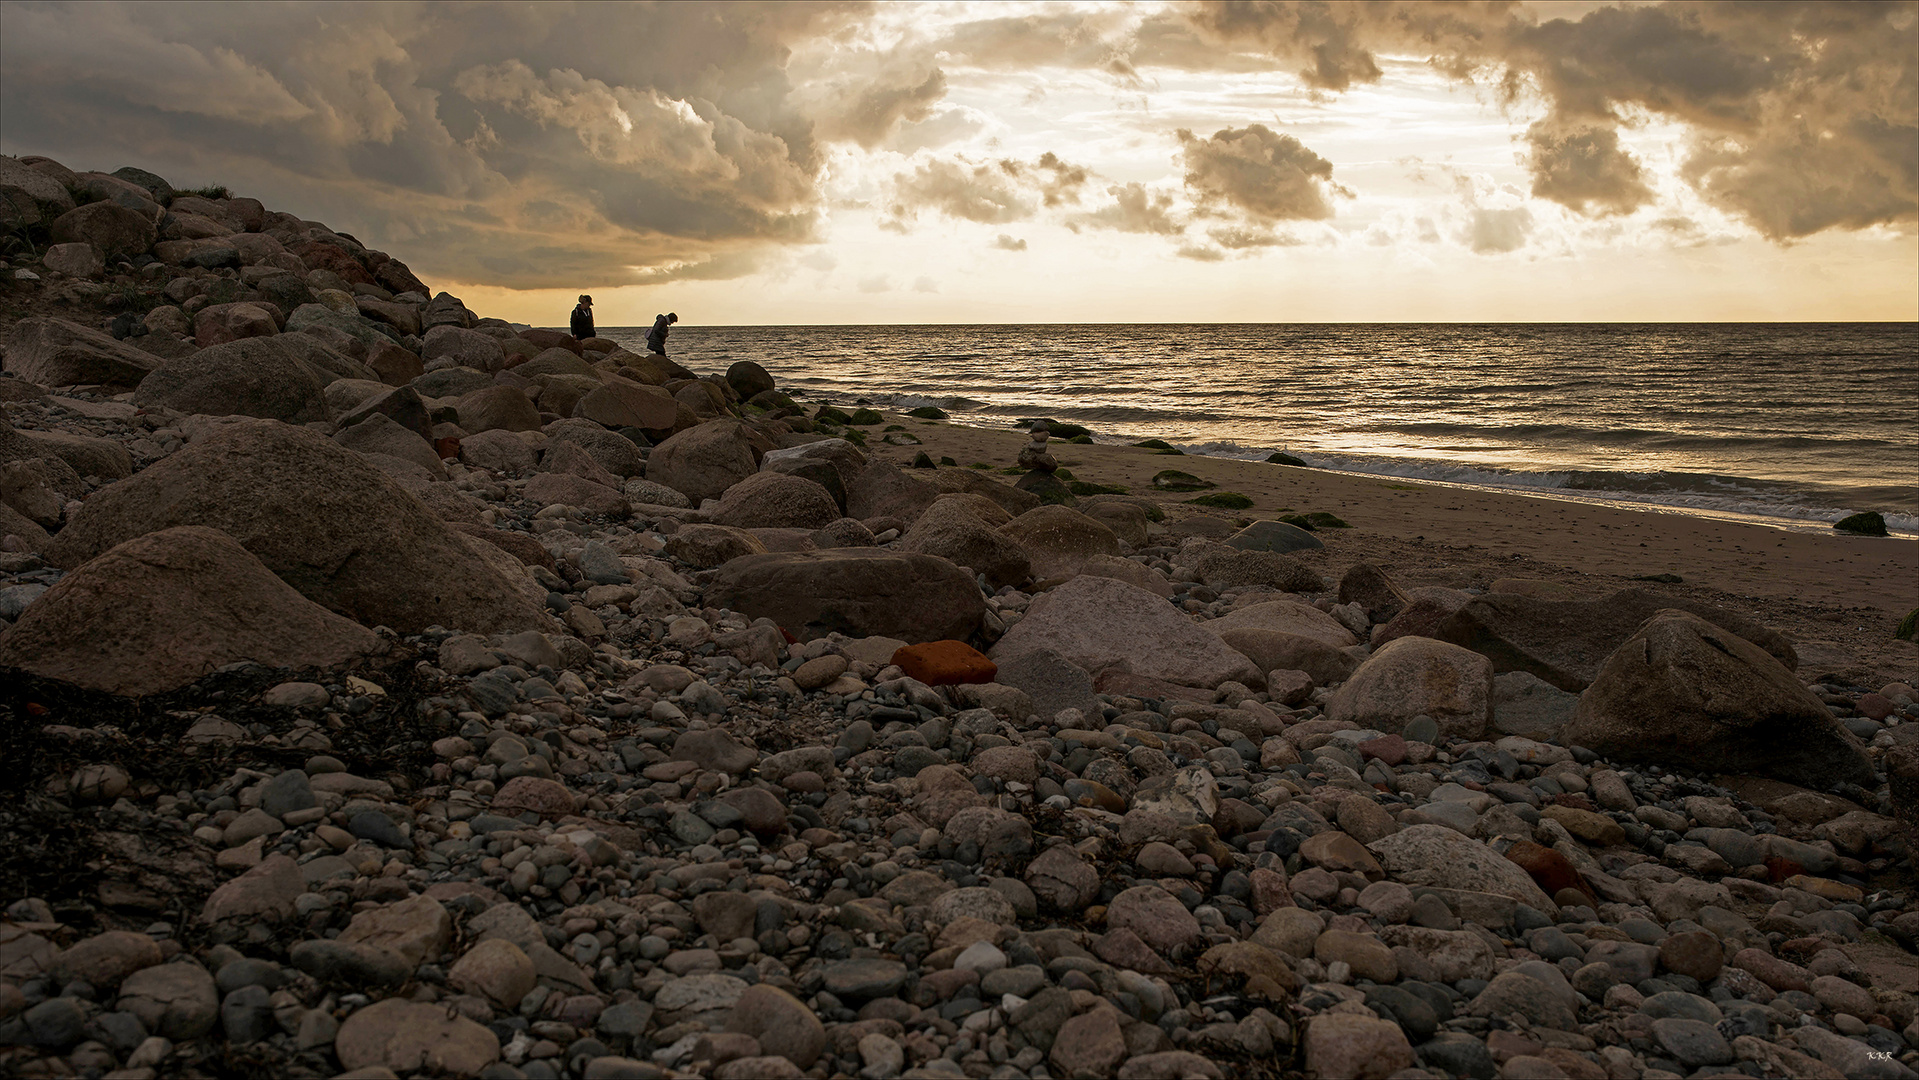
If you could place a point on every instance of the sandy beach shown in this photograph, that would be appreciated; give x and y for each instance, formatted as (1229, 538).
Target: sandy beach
(1842, 595)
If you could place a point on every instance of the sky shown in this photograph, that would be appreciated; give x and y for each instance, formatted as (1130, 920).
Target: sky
(756, 163)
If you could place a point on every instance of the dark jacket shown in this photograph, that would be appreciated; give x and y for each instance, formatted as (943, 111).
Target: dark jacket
(582, 321)
(656, 337)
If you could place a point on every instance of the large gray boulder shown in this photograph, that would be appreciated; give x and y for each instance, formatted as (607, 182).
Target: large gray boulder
(770, 500)
(1565, 641)
(56, 352)
(614, 452)
(1102, 624)
(1290, 617)
(704, 460)
(329, 524)
(958, 529)
(29, 198)
(250, 377)
(1416, 676)
(623, 403)
(859, 592)
(460, 347)
(497, 408)
(882, 490)
(113, 230)
(1441, 858)
(1059, 539)
(1683, 691)
(161, 610)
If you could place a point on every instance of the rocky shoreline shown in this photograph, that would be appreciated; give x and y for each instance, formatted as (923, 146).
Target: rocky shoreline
(389, 691)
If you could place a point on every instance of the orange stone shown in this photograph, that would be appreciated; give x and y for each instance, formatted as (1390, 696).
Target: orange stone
(1549, 869)
(945, 663)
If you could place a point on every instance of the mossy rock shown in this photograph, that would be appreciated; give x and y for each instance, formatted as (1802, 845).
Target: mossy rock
(900, 438)
(1081, 440)
(865, 418)
(1908, 627)
(1869, 523)
(1174, 453)
(921, 461)
(1174, 480)
(927, 412)
(1297, 521)
(1063, 474)
(894, 427)
(1326, 521)
(829, 415)
(1223, 500)
(949, 461)
(1056, 429)
(1081, 487)
(1013, 470)
(980, 465)
(1282, 458)
(854, 436)
(1155, 444)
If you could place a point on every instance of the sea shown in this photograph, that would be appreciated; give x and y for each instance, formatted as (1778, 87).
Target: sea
(1791, 424)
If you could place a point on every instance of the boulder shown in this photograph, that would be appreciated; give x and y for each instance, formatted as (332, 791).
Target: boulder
(622, 403)
(461, 347)
(953, 529)
(251, 377)
(859, 592)
(75, 260)
(353, 327)
(1274, 650)
(1441, 858)
(562, 456)
(445, 309)
(883, 490)
(497, 408)
(501, 451)
(396, 365)
(703, 461)
(1222, 568)
(955, 481)
(402, 317)
(1683, 690)
(831, 463)
(1273, 536)
(30, 198)
(1565, 641)
(555, 361)
(162, 610)
(1132, 573)
(1102, 623)
(772, 500)
(56, 352)
(614, 452)
(379, 434)
(218, 324)
(1059, 540)
(707, 546)
(566, 489)
(329, 524)
(112, 229)
(86, 455)
(1418, 676)
(1290, 617)
(401, 404)
(748, 378)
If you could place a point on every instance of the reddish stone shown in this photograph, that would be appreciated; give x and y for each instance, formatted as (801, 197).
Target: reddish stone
(1270, 891)
(1575, 801)
(1774, 972)
(448, 448)
(1779, 869)
(318, 255)
(544, 797)
(1390, 749)
(1876, 706)
(945, 663)
(1550, 870)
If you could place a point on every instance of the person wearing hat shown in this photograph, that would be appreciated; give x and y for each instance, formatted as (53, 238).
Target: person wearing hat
(656, 337)
(583, 318)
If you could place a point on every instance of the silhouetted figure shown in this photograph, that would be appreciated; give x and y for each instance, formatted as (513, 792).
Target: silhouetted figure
(656, 337)
(583, 318)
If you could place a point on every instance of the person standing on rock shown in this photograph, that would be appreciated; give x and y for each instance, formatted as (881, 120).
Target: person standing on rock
(656, 337)
(583, 318)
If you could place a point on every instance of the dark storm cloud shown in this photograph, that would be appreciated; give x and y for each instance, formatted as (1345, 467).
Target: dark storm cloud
(1803, 116)
(519, 145)
(1258, 172)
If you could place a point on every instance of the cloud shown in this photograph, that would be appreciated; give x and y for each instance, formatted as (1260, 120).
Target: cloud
(1243, 238)
(1200, 253)
(878, 283)
(869, 115)
(1802, 115)
(1007, 243)
(525, 146)
(1135, 209)
(1492, 231)
(1586, 167)
(988, 192)
(1259, 172)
